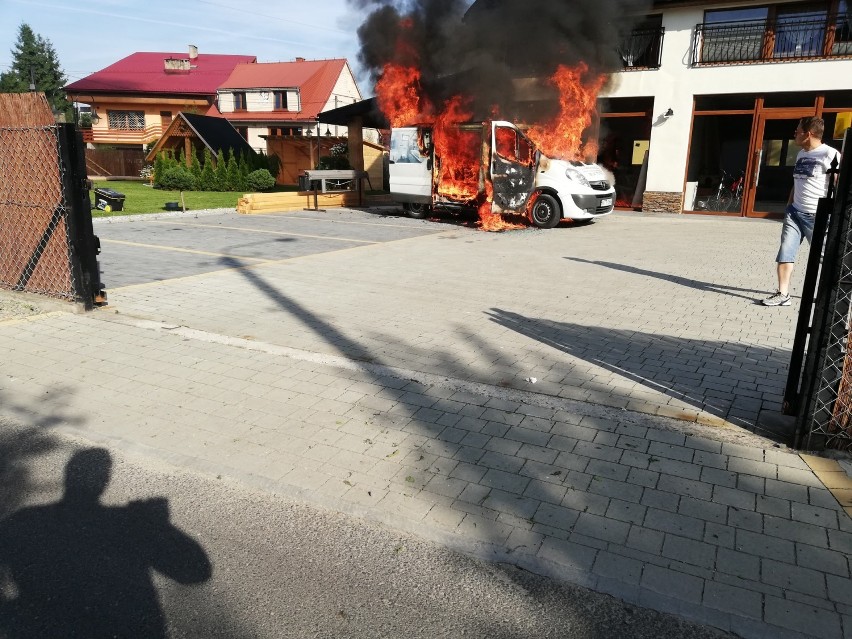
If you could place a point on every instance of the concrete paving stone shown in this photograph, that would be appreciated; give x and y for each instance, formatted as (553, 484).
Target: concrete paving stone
(532, 410)
(761, 545)
(444, 518)
(644, 478)
(585, 502)
(733, 600)
(673, 584)
(598, 468)
(773, 506)
(469, 454)
(685, 487)
(577, 481)
(585, 540)
(503, 446)
(645, 540)
(828, 561)
(720, 535)
(561, 443)
(477, 528)
(784, 458)
(738, 564)
(745, 519)
(549, 492)
(446, 486)
(626, 511)
(574, 431)
(795, 531)
(752, 467)
(734, 497)
(674, 467)
(635, 459)
(537, 453)
(555, 516)
(839, 589)
(632, 444)
(790, 577)
(815, 515)
(568, 554)
(527, 436)
(520, 506)
(617, 567)
(689, 551)
(822, 498)
(654, 498)
(635, 431)
(606, 438)
(671, 522)
(502, 417)
(572, 461)
(598, 451)
(475, 440)
(745, 452)
(703, 509)
(452, 435)
(806, 619)
(473, 493)
(713, 460)
(840, 541)
(508, 482)
(786, 490)
(508, 463)
(751, 484)
(799, 477)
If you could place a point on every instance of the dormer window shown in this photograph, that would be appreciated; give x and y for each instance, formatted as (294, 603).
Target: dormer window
(281, 101)
(240, 101)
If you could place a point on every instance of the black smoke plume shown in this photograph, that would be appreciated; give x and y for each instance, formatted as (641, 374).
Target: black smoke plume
(478, 48)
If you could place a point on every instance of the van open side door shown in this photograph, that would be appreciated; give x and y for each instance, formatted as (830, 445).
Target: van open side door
(513, 163)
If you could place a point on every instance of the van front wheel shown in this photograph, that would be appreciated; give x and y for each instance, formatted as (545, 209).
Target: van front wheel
(545, 211)
(417, 210)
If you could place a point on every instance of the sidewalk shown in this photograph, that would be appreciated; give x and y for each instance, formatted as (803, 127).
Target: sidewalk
(713, 523)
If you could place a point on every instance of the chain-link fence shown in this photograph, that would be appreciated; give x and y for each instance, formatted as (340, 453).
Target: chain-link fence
(46, 245)
(824, 416)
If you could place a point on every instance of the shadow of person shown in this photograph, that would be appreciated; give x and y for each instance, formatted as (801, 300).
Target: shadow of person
(77, 568)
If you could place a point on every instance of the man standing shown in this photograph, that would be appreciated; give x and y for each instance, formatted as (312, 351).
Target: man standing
(810, 181)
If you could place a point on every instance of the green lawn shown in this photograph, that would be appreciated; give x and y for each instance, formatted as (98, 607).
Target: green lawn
(141, 198)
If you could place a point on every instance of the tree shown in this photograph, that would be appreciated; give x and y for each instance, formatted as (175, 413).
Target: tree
(34, 60)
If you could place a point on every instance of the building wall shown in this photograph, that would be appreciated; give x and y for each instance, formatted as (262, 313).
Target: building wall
(345, 92)
(675, 83)
(151, 107)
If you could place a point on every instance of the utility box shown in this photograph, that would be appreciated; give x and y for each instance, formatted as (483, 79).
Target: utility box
(108, 200)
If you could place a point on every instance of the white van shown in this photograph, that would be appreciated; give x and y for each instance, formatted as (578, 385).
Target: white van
(525, 181)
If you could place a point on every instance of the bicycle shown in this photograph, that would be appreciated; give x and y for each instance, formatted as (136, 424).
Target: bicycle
(725, 196)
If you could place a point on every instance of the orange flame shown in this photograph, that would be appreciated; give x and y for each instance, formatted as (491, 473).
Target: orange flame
(562, 138)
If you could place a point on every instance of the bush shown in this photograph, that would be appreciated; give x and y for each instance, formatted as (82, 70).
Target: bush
(176, 178)
(331, 162)
(260, 180)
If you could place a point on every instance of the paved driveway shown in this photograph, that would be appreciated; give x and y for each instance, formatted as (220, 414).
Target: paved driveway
(652, 313)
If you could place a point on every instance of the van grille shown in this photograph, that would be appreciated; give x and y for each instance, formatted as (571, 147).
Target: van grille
(600, 185)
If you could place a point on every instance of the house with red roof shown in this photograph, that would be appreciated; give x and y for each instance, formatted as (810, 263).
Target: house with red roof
(273, 99)
(135, 99)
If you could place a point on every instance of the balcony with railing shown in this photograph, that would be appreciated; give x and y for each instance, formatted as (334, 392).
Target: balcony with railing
(762, 41)
(642, 48)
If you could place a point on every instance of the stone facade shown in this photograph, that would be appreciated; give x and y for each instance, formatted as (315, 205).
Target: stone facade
(662, 202)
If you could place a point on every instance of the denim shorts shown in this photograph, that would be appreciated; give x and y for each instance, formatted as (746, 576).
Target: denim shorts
(797, 227)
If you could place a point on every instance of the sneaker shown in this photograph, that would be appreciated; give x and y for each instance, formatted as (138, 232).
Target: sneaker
(777, 299)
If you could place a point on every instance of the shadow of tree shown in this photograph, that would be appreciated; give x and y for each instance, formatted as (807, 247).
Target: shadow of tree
(77, 568)
(710, 287)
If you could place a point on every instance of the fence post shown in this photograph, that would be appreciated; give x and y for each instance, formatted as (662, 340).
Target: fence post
(85, 245)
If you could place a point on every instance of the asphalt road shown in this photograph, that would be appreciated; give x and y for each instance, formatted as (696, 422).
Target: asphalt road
(163, 552)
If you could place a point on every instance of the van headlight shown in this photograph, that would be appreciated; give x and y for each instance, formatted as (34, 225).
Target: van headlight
(574, 174)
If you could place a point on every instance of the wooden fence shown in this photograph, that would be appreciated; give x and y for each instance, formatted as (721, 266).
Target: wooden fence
(114, 162)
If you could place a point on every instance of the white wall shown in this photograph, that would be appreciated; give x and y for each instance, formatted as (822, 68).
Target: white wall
(675, 83)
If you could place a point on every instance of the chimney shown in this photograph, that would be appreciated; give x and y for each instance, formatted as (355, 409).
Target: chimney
(193, 52)
(300, 59)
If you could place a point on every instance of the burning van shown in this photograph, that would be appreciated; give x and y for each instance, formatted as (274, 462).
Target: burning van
(495, 168)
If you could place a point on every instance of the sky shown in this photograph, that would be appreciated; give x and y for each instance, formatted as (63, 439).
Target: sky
(90, 36)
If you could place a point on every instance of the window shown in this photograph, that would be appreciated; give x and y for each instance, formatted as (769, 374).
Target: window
(281, 101)
(240, 101)
(842, 44)
(126, 120)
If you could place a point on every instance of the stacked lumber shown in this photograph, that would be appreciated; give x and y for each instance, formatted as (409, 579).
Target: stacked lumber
(258, 203)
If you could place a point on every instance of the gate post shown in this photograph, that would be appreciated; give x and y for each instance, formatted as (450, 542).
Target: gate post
(85, 245)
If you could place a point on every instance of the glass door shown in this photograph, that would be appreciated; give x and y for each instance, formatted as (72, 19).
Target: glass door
(771, 164)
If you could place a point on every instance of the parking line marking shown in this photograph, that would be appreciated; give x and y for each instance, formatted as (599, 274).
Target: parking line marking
(237, 228)
(180, 250)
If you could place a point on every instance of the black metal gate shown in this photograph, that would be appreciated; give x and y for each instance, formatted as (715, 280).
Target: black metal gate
(819, 386)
